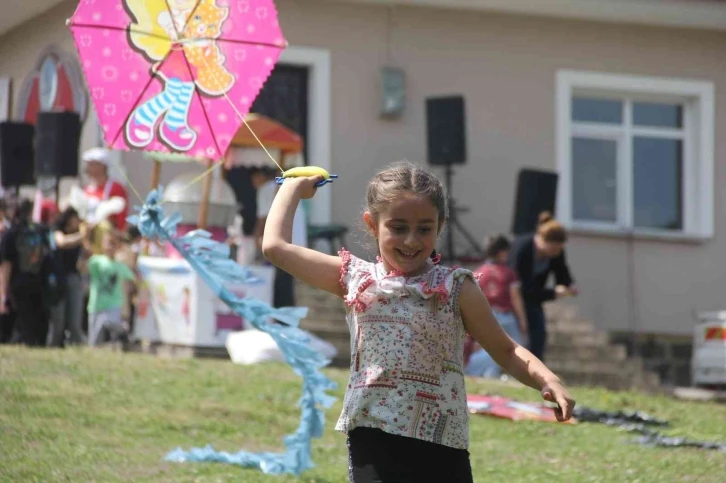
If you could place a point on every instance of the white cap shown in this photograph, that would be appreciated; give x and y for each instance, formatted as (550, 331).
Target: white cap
(99, 155)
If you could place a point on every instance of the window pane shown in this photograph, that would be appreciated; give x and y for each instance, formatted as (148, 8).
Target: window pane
(594, 185)
(597, 110)
(657, 182)
(658, 115)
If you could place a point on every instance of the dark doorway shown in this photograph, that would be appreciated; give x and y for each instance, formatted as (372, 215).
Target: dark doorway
(284, 98)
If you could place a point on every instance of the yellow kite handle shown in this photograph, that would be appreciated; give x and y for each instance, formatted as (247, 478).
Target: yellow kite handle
(306, 171)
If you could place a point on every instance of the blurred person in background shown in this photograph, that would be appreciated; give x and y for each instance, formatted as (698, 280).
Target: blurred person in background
(4, 216)
(128, 254)
(102, 188)
(67, 312)
(106, 299)
(501, 286)
(24, 251)
(263, 180)
(534, 258)
(7, 317)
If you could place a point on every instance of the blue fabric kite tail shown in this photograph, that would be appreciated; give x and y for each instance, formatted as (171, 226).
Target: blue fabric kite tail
(290, 315)
(210, 259)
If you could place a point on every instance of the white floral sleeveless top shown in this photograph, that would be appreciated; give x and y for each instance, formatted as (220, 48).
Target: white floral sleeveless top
(407, 336)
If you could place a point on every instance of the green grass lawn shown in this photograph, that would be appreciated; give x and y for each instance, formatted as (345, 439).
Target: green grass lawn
(87, 416)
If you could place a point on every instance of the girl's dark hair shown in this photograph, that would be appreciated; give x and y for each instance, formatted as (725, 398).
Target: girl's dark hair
(67, 215)
(403, 178)
(24, 212)
(550, 229)
(496, 244)
(132, 232)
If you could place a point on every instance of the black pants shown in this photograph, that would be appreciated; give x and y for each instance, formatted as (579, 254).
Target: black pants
(537, 329)
(378, 457)
(284, 289)
(132, 317)
(31, 314)
(7, 325)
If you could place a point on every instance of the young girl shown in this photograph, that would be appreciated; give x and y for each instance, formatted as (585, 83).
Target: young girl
(500, 285)
(405, 409)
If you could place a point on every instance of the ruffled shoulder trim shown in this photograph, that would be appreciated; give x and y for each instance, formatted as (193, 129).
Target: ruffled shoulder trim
(477, 277)
(443, 282)
(356, 276)
(344, 267)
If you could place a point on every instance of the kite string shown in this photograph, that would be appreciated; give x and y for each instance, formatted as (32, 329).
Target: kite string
(242, 118)
(196, 179)
(253, 134)
(216, 164)
(120, 169)
(199, 177)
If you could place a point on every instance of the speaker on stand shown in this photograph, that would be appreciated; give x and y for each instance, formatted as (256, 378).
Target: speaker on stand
(57, 141)
(16, 155)
(536, 192)
(446, 142)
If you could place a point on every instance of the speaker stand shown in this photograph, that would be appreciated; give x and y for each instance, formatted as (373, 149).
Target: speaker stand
(57, 192)
(455, 224)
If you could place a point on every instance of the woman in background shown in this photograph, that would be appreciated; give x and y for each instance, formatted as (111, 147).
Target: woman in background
(534, 257)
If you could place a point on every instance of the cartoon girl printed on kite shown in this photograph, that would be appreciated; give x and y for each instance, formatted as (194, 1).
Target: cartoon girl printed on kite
(186, 30)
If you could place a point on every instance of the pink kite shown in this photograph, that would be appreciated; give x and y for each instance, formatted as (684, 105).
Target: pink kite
(175, 75)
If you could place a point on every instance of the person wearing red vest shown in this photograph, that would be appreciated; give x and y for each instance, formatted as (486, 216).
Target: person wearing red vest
(101, 187)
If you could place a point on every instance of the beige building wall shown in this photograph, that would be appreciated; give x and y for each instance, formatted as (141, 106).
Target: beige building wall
(505, 66)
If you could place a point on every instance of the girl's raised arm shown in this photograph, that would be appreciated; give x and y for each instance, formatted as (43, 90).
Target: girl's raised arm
(312, 267)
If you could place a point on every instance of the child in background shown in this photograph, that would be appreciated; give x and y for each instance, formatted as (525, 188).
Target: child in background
(106, 300)
(500, 285)
(405, 411)
(128, 254)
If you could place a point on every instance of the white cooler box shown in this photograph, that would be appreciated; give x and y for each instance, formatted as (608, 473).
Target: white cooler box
(708, 365)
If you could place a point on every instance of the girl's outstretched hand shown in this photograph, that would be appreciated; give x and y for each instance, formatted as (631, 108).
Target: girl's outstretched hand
(557, 393)
(306, 185)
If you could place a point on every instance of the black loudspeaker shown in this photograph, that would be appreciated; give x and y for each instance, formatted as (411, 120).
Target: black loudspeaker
(446, 130)
(57, 138)
(16, 154)
(536, 192)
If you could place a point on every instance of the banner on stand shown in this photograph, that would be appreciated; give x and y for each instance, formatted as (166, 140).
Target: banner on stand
(176, 307)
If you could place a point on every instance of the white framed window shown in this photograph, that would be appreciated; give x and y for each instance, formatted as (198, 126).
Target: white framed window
(635, 154)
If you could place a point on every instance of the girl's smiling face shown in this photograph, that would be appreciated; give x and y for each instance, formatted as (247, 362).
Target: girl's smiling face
(406, 233)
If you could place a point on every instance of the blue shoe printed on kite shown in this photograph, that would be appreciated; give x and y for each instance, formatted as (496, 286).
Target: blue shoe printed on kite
(307, 171)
